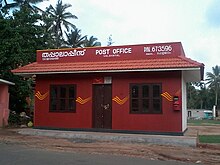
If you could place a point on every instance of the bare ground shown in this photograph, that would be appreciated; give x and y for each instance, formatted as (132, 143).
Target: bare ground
(203, 154)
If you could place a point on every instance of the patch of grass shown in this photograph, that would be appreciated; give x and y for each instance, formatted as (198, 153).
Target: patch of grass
(209, 138)
(203, 122)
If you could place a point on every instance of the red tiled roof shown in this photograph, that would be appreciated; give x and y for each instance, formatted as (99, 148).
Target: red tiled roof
(179, 62)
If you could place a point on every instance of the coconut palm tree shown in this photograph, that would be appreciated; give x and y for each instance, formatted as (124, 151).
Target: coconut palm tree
(75, 39)
(91, 42)
(49, 32)
(213, 80)
(60, 16)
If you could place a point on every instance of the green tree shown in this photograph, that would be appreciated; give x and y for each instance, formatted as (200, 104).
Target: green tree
(210, 98)
(75, 39)
(20, 38)
(192, 96)
(31, 4)
(60, 16)
(49, 33)
(91, 42)
(213, 80)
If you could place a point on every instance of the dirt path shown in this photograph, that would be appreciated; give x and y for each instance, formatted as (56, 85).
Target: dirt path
(203, 130)
(204, 154)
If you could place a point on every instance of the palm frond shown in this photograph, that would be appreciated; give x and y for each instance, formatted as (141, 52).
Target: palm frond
(10, 6)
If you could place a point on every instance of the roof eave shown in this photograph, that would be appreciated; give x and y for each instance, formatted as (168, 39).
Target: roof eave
(28, 74)
(6, 82)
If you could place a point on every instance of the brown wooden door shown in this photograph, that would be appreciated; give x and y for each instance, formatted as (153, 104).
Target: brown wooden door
(102, 106)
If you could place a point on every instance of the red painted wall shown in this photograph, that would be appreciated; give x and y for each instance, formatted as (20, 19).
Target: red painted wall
(4, 99)
(168, 121)
(83, 116)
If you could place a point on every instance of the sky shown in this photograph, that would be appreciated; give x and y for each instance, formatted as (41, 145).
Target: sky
(194, 23)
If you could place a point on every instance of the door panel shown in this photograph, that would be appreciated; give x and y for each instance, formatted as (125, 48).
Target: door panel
(97, 106)
(102, 106)
(107, 106)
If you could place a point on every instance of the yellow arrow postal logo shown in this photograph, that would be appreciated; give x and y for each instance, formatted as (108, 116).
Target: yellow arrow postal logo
(167, 96)
(41, 96)
(120, 101)
(83, 101)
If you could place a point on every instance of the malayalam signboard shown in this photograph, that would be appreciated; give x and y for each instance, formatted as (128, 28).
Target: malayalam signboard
(127, 52)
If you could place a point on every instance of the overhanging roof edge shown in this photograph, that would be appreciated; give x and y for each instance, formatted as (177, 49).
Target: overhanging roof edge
(6, 82)
(107, 71)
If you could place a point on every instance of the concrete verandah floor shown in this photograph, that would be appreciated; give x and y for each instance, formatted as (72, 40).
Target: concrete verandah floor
(190, 139)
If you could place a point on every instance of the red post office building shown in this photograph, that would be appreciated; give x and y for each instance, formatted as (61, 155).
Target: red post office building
(135, 88)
